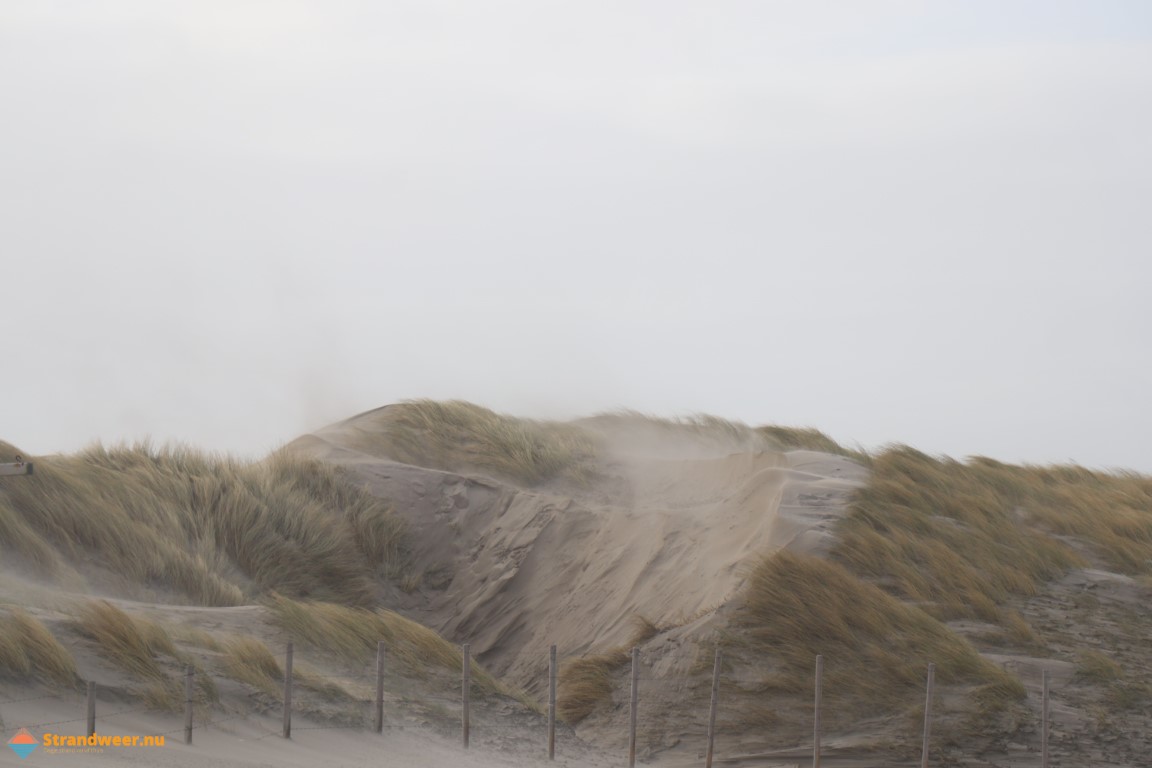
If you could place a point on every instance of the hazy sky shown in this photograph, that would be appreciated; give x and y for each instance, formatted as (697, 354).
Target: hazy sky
(230, 222)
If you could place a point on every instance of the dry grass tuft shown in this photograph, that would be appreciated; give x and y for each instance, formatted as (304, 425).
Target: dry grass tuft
(959, 539)
(584, 684)
(248, 660)
(456, 435)
(808, 439)
(962, 538)
(1095, 667)
(134, 645)
(353, 634)
(131, 644)
(208, 528)
(876, 648)
(29, 651)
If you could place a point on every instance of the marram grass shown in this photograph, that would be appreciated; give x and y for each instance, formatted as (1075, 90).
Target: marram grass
(211, 530)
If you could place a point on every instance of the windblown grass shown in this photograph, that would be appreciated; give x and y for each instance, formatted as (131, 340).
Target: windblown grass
(585, 683)
(248, 660)
(456, 435)
(963, 538)
(1095, 667)
(702, 429)
(353, 634)
(29, 651)
(214, 530)
(876, 648)
(134, 645)
(808, 439)
(130, 643)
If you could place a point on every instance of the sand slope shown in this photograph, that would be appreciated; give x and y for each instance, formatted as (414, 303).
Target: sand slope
(667, 531)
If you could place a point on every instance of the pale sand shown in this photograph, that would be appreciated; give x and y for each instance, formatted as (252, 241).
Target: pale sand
(255, 742)
(669, 532)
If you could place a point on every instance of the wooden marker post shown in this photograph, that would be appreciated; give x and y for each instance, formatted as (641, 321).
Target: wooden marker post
(1044, 719)
(712, 709)
(552, 703)
(466, 687)
(288, 692)
(816, 713)
(91, 707)
(17, 468)
(635, 699)
(380, 686)
(928, 716)
(188, 701)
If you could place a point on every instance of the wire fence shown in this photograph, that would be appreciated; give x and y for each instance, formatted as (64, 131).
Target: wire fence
(458, 706)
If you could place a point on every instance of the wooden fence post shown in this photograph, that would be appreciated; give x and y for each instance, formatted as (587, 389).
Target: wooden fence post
(288, 692)
(466, 686)
(816, 713)
(712, 709)
(635, 698)
(1044, 719)
(928, 716)
(188, 700)
(91, 707)
(552, 703)
(380, 686)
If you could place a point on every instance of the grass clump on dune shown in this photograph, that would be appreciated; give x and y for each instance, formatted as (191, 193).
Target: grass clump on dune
(130, 643)
(702, 429)
(876, 648)
(213, 530)
(586, 683)
(134, 645)
(807, 439)
(353, 634)
(248, 660)
(457, 435)
(962, 538)
(29, 651)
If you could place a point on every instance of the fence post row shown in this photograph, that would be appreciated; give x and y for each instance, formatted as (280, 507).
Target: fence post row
(634, 698)
(188, 673)
(466, 686)
(552, 703)
(91, 707)
(634, 701)
(1044, 719)
(379, 686)
(816, 712)
(928, 716)
(712, 709)
(288, 691)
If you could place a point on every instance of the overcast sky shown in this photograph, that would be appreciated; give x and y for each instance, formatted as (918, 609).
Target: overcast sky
(227, 223)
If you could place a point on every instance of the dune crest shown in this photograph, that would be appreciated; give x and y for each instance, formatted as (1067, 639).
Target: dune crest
(665, 529)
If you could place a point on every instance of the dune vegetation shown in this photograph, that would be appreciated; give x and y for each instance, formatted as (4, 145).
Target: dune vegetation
(925, 542)
(930, 540)
(961, 539)
(353, 634)
(29, 651)
(877, 648)
(202, 528)
(456, 435)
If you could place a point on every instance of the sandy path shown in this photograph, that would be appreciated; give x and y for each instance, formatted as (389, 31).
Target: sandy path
(255, 741)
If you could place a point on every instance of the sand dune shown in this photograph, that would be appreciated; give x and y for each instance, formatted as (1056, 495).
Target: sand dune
(667, 530)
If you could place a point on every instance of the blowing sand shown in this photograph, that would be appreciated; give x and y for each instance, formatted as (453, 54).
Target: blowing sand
(668, 532)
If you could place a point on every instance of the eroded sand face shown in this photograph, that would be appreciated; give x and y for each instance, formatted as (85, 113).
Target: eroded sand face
(667, 530)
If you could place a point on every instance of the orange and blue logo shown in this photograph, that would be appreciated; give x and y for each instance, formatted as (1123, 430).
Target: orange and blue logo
(23, 743)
